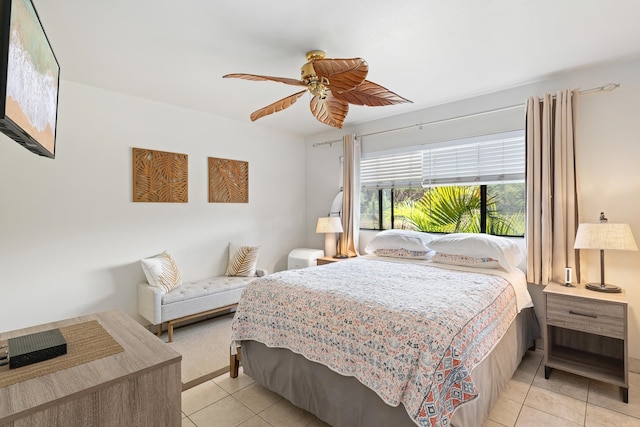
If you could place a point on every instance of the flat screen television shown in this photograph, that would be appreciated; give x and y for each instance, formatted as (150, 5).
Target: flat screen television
(29, 79)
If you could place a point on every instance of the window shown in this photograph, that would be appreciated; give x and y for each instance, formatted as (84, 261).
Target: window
(469, 185)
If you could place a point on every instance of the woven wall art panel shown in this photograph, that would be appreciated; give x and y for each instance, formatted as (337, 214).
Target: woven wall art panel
(228, 181)
(160, 176)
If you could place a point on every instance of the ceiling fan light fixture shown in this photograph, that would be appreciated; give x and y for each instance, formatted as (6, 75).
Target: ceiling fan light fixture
(318, 89)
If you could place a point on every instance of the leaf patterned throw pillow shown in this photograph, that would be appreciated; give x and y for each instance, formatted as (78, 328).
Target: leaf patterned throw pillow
(162, 271)
(243, 262)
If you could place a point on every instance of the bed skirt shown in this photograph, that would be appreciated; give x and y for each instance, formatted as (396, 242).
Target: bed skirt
(344, 402)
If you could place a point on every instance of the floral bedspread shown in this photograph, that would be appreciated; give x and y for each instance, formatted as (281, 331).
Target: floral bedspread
(412, 333)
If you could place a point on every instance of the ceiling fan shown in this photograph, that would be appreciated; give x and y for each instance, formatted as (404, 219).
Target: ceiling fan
(334, 84)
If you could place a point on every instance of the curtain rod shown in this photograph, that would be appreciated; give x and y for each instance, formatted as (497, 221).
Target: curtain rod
(606, 88)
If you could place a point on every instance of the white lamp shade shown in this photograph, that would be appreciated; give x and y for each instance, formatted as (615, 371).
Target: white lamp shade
(329, 224)
(605, 236)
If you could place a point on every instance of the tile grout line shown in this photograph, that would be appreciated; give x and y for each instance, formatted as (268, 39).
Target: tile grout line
(251, 410)
(210, 404)
(600, 405)
(584, 422)
(254, 412)
(525, 396)
(586, 406)
(529, 390)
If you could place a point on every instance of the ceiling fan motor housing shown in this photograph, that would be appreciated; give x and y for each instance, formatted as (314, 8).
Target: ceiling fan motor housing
(309, 76)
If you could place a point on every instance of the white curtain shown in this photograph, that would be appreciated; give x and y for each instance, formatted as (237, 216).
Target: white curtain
(552, 196)
(348, 243)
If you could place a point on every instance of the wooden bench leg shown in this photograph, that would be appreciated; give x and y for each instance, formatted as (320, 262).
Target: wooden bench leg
(234, 364)
(170, 323)
(170, 331)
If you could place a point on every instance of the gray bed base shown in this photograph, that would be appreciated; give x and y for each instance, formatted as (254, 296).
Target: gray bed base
(344, 402)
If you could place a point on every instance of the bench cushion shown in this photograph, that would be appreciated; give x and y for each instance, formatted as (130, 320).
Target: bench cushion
(200, 288)
(202, 295)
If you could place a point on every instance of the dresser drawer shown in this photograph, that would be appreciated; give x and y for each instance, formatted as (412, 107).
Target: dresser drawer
(587, 315)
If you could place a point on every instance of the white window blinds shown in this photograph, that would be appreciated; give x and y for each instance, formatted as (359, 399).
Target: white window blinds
(399, 170)
(488, 159)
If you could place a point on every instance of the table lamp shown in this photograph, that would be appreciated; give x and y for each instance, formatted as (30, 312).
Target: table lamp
(604, 235)
(330, 226)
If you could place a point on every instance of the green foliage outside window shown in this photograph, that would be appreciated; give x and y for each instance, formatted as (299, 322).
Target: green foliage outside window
(448, 209)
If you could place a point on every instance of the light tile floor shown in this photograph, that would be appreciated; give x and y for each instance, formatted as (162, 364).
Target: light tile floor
(528, 400)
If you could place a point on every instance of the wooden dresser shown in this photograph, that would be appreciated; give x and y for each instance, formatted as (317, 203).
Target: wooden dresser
(139, 386)
(587, 334)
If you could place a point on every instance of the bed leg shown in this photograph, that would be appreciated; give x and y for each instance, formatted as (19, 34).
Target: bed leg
(234, 364)
(159, 329)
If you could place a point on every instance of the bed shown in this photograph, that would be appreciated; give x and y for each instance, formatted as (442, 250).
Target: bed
(419, 332)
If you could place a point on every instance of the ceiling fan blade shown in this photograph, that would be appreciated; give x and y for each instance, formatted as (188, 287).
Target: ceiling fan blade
(330, 110)
(372, 94)
(343, 74)
(256, 77)
(277, 106)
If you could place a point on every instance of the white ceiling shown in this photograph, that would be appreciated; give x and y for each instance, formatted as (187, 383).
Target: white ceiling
(429, 51)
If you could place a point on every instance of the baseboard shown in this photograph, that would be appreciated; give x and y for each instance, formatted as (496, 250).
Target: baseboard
(204, 378)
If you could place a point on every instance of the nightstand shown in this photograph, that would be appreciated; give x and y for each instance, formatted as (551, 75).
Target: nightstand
(330, 259)
(587, 334)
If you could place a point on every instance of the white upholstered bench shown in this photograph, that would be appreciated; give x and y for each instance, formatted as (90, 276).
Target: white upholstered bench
(164, 297)
(191, 300)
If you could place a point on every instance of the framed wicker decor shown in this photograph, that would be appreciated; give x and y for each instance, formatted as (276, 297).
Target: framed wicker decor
(160, 176)
(228, 181)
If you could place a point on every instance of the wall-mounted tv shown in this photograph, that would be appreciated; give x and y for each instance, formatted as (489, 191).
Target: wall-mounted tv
(29, 79)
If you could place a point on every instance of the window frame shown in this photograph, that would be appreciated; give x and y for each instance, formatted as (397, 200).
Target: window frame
(410, 152)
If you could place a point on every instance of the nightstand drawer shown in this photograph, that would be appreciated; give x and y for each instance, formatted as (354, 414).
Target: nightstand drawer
(593, 316)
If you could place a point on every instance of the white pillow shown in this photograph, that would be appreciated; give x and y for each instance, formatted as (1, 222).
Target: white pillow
(242, 260)
(466, 261)
(404, 253)
(390, 241)
(161, 271)
(478, 245)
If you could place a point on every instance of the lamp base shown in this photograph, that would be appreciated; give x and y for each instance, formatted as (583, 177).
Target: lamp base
(603, 287)
(330, 247)
(340, 256)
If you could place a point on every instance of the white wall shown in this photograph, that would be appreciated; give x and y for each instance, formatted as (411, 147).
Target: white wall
(608, 154)
(71, 237)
